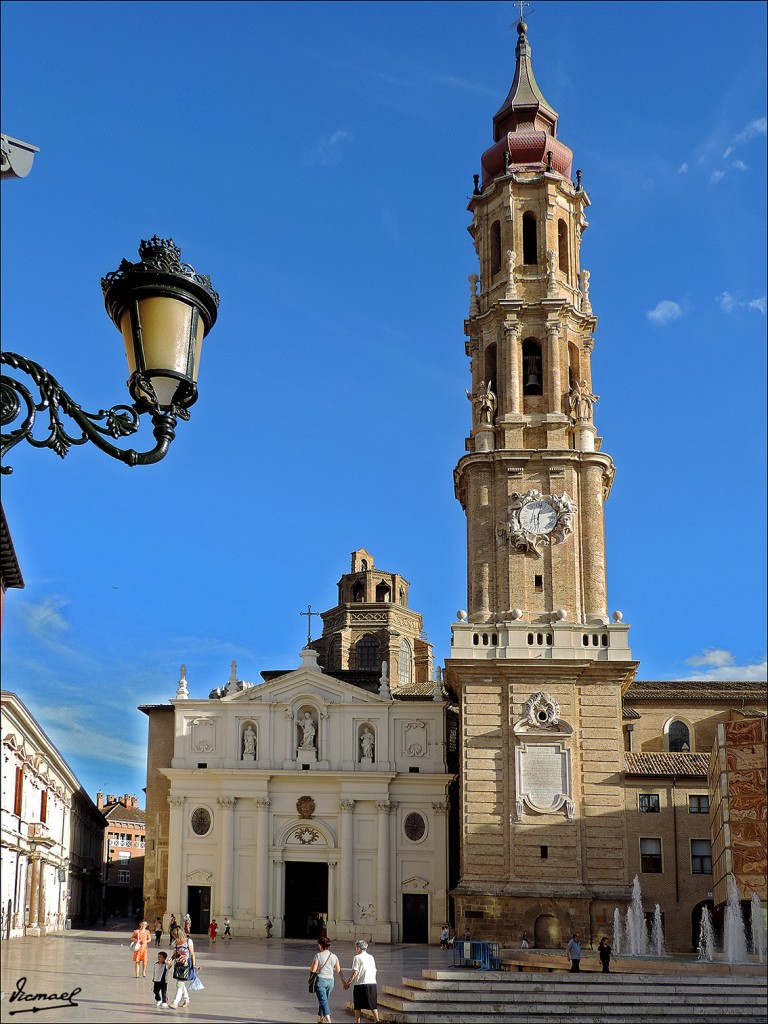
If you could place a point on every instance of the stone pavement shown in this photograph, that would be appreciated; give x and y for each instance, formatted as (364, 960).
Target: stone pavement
(245, 979)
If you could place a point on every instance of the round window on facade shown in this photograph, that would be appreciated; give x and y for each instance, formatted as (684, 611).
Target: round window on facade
(415, 827)
(201, 821)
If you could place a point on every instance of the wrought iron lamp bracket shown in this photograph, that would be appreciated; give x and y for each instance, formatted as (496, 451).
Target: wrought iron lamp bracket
(17, 402)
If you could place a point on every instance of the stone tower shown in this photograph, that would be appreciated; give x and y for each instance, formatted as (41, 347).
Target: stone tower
(536, 665)
(372, 624)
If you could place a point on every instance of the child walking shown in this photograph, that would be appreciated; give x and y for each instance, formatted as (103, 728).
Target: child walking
(160, 979)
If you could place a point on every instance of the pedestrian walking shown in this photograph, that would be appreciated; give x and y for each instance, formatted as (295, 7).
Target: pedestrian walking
(158, 930)
(227, 928)
(212, 930)
(267, 927)
(445, 934)
(606, 954)
(160, 979)
(573, 953)
(140, 939)
(173, 923)
(363, 982)
(187, 924)
(183, 963)
(524, 941)
(323, 966)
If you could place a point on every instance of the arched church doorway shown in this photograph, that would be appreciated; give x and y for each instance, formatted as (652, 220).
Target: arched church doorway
(306, 899)
(547, 933)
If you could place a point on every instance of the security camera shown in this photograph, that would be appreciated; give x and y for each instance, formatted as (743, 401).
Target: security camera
(16, 157)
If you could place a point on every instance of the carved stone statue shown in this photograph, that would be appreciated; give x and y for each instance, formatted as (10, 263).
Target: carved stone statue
(474, 305)
(581, 401)
(249, 742)
(307, 725)
(366, 743)
(511, 290)
(483, 404)
(584, 288)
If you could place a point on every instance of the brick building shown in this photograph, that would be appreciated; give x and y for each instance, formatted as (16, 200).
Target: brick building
(123, 855)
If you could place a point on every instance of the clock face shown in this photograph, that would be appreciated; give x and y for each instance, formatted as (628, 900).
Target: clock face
(538, 517)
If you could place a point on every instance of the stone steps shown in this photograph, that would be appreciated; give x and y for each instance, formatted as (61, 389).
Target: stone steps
(468, 997)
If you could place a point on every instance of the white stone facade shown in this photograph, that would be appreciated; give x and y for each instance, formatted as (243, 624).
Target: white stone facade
(51, 833)
(349, 803)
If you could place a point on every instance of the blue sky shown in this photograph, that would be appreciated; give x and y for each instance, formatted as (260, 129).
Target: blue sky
(316, 160)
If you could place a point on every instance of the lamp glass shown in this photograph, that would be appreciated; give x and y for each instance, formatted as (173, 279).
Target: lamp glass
(166, 334)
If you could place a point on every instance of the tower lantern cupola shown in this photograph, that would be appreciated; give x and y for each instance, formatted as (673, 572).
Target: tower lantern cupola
(525, 126)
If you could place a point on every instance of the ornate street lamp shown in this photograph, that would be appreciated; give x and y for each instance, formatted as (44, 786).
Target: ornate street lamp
(164, 309)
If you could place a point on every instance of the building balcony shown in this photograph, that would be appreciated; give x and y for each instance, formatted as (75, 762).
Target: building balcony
(560, 640)
(40, 833)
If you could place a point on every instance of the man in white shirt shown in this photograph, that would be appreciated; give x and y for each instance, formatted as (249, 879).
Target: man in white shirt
(363, 980)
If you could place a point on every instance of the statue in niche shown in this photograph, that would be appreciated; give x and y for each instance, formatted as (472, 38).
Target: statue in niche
(483, 404)
(249, 743)
(366, 743)
(581, 401)
(307, 726)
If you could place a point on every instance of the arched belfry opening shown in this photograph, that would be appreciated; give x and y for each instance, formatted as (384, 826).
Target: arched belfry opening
(533, 370)
(530, 240)
(495, 247)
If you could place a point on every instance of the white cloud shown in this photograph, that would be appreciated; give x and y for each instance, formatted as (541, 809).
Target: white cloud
(81, 729)
(727, 152)
(739, 165)
(682, 169)
(712, 657)
(327, 150)
(665, 312)
(752, 130)
(728, 303)
(717, 176)
(44, 620)
(718, 663)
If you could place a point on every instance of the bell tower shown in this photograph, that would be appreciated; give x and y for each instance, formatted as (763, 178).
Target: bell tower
(537, 667)
(534, 479)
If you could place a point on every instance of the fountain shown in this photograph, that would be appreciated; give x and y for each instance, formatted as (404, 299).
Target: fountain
(618, 932)
(758, 928)
(735, 945)
(706, 936)
(657, 933)
(637, 930)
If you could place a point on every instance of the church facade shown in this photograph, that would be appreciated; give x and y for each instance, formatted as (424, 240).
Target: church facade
(317, 798)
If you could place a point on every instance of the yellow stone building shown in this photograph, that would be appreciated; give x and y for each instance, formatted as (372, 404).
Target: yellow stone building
(574, 776)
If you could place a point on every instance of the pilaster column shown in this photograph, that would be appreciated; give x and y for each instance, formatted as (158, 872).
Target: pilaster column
(34, 893)
(176, 898)
(290, 733)
(383, 867)
(324, 735)
(347, 808)
(262, 857)
(555, 394)
(278, 911)
(511, 396)
(440, 822)
(593, 545)
(227, 851)
(332, 892)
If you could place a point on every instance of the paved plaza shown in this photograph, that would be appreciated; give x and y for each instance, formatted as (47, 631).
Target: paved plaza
(245, 979)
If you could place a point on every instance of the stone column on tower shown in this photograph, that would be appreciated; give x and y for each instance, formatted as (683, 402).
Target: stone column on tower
(262, 856)
(227, 851)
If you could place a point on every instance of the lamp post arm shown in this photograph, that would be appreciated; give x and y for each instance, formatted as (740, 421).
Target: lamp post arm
(17, 403)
